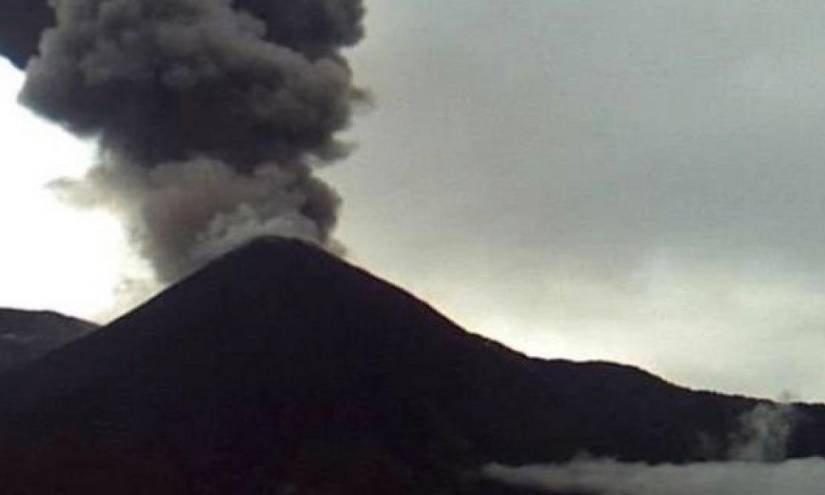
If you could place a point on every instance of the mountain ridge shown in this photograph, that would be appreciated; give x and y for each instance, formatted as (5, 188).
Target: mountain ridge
(280, 368)
(26, 335)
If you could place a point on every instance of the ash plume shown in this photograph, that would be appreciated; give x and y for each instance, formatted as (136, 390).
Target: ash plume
(21, 23)
(211, 116)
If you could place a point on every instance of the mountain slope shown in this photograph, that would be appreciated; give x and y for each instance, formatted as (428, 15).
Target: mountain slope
(281, 369)
(280, 357)
(28, 335)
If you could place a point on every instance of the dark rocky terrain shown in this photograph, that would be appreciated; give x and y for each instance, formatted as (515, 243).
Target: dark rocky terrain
(281, 369)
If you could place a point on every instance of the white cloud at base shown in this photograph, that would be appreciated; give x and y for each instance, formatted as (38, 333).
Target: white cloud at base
(605, 477)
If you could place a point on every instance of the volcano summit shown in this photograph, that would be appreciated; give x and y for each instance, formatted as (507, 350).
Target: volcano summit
(281, 369)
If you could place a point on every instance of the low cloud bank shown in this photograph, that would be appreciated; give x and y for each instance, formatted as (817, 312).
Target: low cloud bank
(756, 466)
(607, 477)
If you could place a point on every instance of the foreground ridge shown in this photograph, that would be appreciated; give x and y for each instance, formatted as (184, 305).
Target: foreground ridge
(280, 368)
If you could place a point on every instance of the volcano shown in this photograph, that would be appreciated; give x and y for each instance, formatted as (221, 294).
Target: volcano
(280, 368)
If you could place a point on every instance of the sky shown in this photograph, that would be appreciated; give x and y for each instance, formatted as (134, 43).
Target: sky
(636, 181)
(51, 256)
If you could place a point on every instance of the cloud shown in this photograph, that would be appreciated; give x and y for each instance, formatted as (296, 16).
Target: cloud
(797, 477)
(618, 180)
(205, 112)
(757, 466)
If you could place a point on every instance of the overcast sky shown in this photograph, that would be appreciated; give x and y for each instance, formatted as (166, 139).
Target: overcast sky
(631, 180)
(628, 180)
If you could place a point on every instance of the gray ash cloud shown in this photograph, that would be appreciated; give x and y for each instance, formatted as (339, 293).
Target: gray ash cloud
(21, 25)
(211, 115)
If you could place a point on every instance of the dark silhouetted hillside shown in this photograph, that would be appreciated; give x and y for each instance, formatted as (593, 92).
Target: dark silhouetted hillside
(281, 369)
(28, 335)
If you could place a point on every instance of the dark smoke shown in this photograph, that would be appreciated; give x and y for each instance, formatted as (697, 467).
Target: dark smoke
(312, 27)
(210, 115)
(21, 22)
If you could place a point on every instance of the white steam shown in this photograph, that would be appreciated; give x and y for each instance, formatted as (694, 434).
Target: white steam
(754, 468)
(763, 433)
(607, 477)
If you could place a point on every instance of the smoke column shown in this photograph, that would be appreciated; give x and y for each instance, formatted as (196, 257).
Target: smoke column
(21, 23)
(763, 433)
(210, 116)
